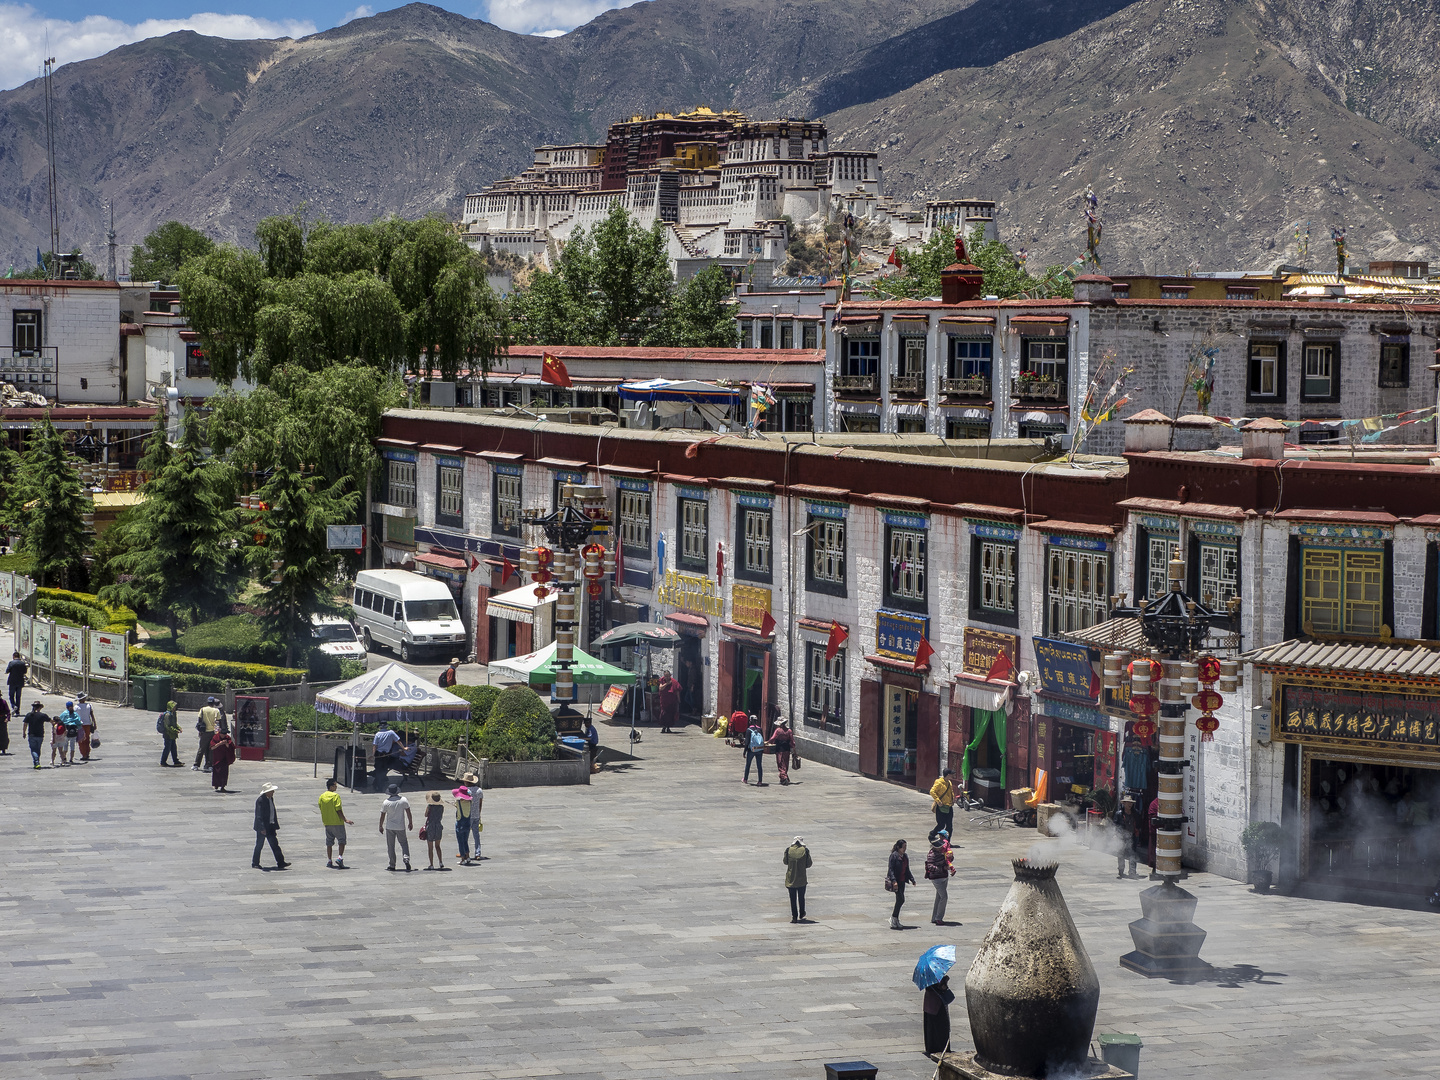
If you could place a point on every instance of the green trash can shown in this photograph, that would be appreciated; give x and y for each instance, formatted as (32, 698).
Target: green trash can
(1122, 1051)
(137, 692)
(158, 688)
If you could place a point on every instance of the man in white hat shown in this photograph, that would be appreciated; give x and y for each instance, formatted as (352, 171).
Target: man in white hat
(1125, 821)
(267, 824)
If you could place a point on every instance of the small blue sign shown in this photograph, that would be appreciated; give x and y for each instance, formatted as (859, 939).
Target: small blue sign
(898, 634)
(1065, 669)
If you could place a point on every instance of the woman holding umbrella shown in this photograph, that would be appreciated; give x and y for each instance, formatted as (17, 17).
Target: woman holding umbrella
(931, 975)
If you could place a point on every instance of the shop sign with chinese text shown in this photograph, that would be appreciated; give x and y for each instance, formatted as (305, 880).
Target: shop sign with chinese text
(898, 634)
(1065, 668)
(982, 647)
(749, 604)
(1358, 717)
(692, 593)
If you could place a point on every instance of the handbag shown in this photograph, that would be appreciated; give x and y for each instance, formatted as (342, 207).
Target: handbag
(94, 740)
(422, 832)
(889, 884)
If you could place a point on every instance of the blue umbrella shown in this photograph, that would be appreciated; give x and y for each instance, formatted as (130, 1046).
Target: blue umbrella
(933, 965)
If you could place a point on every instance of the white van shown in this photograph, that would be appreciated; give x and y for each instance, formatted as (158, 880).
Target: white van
(411, 613)
(333, 636)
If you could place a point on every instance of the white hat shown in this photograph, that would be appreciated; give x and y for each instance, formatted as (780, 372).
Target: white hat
(267, 788)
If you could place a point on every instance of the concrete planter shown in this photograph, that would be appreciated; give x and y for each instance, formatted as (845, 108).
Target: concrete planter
(561, 771)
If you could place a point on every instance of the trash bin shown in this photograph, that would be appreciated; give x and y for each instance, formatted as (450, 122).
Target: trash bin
(344, 756)
(137, 693)
(1122, 1051)
(157, 691)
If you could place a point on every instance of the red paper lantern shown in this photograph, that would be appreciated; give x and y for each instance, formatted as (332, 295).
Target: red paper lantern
(1208, 725)
(1207, 700)
(544, 556)
(541, 592)
(542, 575)
(1144, 705)
(1209, 669)
(1143, 729)
(595, 588)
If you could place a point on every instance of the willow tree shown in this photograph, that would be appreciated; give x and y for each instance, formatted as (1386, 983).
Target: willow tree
(222, 292)
(316, 321)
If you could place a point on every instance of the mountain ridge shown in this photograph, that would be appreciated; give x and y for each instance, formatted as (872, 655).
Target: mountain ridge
(1194, 116)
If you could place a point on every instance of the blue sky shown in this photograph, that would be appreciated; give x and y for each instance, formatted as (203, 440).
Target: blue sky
(79, 29)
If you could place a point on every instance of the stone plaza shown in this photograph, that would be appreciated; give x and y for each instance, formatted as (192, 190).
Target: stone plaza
(634, 928)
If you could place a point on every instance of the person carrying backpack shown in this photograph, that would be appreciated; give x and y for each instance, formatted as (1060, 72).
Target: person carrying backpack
(168, 727)
(69, 720)
(755, 751)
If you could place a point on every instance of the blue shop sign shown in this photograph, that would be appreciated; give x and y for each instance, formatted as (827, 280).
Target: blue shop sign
(1075, 714)
(1065, 669)
(898, 634)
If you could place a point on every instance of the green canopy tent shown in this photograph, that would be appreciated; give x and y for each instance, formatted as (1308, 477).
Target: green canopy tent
(539, 667)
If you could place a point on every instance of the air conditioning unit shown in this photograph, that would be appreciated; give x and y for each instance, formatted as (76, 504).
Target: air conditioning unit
(437, 394)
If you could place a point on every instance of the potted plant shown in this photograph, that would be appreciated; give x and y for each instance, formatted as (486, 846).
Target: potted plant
(1262, 841)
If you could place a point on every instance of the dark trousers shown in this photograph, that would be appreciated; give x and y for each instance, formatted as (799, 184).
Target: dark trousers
(15, 689)
(203, 753)
(899, 899)
(797, 901)
(759, 759)
(36, 742)
(381, 769)
(944, 819)
(5, 736)
(171, 751)
(260, 839)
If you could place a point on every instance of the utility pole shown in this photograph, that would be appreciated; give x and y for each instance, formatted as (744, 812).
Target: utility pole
(110, 274)
(54, 268)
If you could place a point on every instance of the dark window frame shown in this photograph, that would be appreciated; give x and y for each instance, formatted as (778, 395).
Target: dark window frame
(920, 605)
(1401, 381)
(1252, 372)
(1335, 369)
(195, 358)
(1050, 549)
(834, 722)
(742, 572)
(16, 322)
(1295, 586)
(824, 586)
(683, 561)
(497, 526)
(984, 614)
(454, 521)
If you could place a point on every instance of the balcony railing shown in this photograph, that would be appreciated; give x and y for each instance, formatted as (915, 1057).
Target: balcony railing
(1038, 389)
(967, 386)
(907, 384)
(33, 371)
(855, 384)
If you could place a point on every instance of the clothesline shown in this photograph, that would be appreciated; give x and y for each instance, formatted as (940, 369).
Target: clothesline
(1374, 426)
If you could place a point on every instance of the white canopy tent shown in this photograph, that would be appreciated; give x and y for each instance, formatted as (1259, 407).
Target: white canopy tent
(523, 606)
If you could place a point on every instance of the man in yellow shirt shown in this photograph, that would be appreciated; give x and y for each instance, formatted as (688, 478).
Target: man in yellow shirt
(943, 792)
(332, 816)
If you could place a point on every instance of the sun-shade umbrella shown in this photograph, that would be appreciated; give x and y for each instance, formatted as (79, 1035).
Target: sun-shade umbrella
(539, 667)
(933, 965)
(638, 633)
(391, 693)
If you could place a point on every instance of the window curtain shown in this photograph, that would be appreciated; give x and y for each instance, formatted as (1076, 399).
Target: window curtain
(983, 719)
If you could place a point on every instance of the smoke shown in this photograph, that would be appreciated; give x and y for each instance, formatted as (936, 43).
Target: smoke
(1049, 849)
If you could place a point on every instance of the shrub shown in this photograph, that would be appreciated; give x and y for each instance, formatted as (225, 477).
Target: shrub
(481, 699)
(142, 660)
(19, 562)
(86, 609)
(352, 669)
(1262, 841)
(236, 638)
(519, 728)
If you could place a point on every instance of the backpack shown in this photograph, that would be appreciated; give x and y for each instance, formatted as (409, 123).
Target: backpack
(757, 740)
(160, 724)
(72, 725)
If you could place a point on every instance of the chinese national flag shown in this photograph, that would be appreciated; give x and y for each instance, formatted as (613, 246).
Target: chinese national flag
(923, 652)
(767, 624)
(507, 569)
(553, 371)
(838, 635)
(1001, 668)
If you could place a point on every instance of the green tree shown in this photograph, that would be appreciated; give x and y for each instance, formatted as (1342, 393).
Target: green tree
(519, 728)
(181, 558)
(52, 509)
(1004, 276)
(701, 315)
(282, 244)
(610, 286)
(223, 291)
(315, 320)
(297, 569)
(162, 253)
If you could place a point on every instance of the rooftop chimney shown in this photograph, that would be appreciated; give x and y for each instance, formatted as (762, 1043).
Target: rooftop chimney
(1195, 432)
(1094, 289)
(1148, 429)
(961, 280)
(1263, 440)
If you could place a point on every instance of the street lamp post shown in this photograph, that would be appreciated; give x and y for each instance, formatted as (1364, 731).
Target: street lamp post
(1167, 941)
(579, 511)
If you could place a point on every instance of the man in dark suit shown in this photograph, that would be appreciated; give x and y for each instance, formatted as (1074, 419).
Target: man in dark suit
(267, 824)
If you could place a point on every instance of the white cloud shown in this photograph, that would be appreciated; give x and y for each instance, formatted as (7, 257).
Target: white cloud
(364, 11)
(548, 33)
(547, 17)
(26, 30)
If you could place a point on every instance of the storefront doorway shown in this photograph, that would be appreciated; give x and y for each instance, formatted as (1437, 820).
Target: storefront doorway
(749, 685)
(691, 676)
(1371, 826)
(503, 638)
(902, 732)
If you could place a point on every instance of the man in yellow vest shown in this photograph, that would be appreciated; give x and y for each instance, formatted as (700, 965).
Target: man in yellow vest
(943, 792)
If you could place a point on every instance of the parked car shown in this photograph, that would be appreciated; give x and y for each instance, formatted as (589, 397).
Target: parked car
(336, 637)
(410, 613)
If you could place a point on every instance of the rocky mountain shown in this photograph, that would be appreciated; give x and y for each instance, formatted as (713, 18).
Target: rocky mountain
(1208, 127)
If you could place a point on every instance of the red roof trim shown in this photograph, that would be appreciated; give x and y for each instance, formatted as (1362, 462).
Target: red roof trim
(819, 626)
(443, 561)
(1079, 528)
(891, 664)
(746, 631)
(689, 620)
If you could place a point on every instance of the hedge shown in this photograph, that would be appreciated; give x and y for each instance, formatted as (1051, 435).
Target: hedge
(442, 734)
(142, 660)
(85, 608)
(519, 728)
(235, 638)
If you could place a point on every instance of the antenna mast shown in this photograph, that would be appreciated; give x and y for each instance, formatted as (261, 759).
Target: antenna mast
(54, 268)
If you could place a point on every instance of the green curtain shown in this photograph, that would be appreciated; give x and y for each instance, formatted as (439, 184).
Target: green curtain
(983, 719)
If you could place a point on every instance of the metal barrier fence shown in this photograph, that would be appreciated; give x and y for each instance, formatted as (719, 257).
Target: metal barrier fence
(65, 659)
